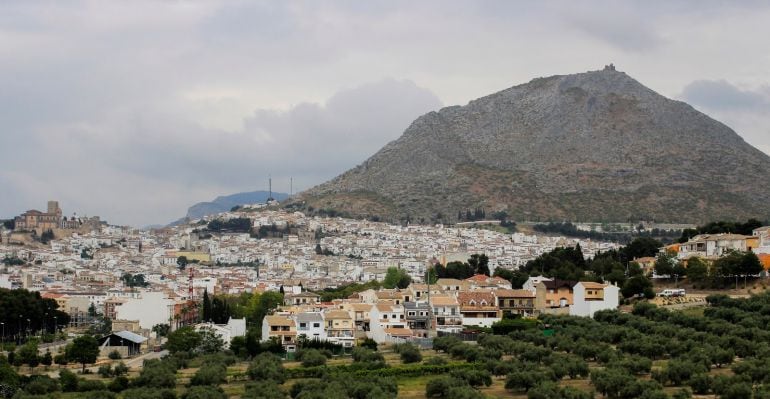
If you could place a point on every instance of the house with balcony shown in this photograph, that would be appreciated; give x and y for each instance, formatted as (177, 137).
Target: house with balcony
(515, 302)
(418, 316)
(553, 294)
(388, 323)
(478, 308)
(360, 313)
(590, 297)
(281, 328)
(712, 246)
(310, 325)
(481, 281)
(303, 298)
(340, 327)
(446, 313)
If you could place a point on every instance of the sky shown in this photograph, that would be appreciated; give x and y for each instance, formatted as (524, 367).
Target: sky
(134, 111)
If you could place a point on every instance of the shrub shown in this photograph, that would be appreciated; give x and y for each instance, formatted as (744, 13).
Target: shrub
(115, 355)
(410, 354)
(41, 385)
(439, 387)
(98, 395)
(68, 381)
(119, 384)
(210, 374)
(105, 371)
(148, 393)
(312, 358)
(472, 377)
(435, 361)
(120, 369)
(369, 343)
(59, 359)
(443, 344)
(156, 374)
(263, 390)
(204, 392)
(267, 367)
(91, 385)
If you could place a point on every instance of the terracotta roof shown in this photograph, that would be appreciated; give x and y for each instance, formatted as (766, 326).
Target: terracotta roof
(465, 298)
(337, 314)
(384, 307)
(279, 321)
(400, 332)
(591, 284)
(443, 300)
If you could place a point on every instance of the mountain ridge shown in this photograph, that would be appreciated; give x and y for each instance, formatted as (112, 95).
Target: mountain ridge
(224, 203)
(562, 147)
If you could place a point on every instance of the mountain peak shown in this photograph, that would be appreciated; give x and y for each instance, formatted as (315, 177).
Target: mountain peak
(596, 146)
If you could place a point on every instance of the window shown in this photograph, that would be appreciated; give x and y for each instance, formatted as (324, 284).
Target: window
(316, 325)
(302, 325)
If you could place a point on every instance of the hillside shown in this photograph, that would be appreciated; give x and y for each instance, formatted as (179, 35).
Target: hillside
(594, 146)
(227, 202)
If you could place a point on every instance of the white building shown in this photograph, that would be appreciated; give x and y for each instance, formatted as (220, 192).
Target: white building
(233, 328)
(590, 297)
(150, 309)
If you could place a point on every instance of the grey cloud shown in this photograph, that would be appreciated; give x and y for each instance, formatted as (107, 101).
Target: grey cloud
(721, 95)
(744, 110)
(151, 166)
(136, 109)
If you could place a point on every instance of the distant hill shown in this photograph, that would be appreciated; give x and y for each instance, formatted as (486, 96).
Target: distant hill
(227, 202)
(595, 146)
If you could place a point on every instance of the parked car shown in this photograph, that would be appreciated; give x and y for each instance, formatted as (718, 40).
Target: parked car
(672, 292)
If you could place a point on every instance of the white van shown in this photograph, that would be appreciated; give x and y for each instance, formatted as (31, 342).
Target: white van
(671, 292)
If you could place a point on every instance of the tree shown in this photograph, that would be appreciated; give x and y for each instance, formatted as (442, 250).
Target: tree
(83, 350)
(263, 390)
(312, 358)
(396, 278)
(267, 366)
(516, 277)
(204, 392)
(697, 270)
(664, 265)
(161, 330)
(642, 247)
(210, 374)
(210, 341)
(207, 305)
(479, 264)
(184, 339)
(28, 353)
(749, 265)
(182, 262)
(68, 381)
(410, 354)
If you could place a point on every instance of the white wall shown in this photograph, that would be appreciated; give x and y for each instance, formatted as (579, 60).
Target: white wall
(150, 309)
(581, 307)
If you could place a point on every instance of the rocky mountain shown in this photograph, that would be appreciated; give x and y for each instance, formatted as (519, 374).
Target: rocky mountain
(227, 202)
(594, 146)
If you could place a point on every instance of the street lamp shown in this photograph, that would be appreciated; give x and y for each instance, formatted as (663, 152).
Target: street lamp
(3, 323)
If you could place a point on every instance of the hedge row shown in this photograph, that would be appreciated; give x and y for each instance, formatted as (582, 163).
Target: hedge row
(412, 370)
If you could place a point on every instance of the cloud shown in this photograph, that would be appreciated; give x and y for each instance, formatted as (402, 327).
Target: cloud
(135, 110)
(147, 167)
(721, 95)
(745, 110)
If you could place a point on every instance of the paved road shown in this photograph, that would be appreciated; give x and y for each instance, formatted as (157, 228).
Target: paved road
(137, 362)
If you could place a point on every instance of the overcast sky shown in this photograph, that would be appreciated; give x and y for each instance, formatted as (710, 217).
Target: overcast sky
(134, 110)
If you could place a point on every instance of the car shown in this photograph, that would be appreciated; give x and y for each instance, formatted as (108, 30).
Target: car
(672, 292)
